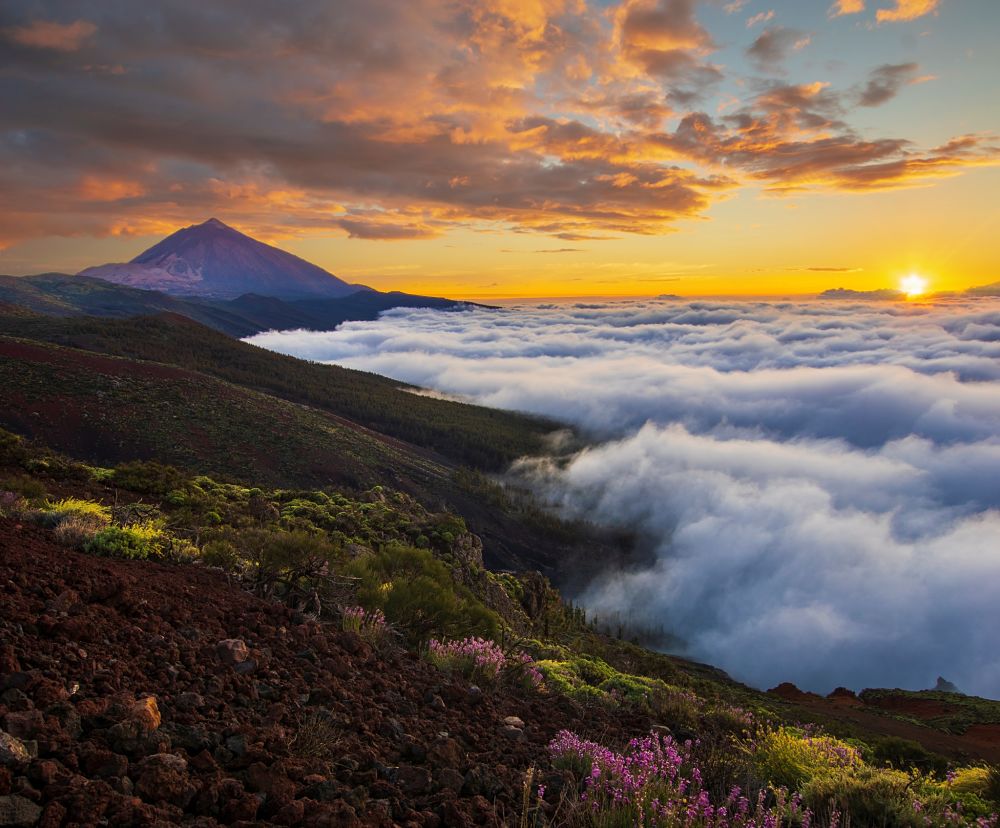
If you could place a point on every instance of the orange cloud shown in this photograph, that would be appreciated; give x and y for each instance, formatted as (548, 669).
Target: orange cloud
(907, 10)
(48, 34)
(842, 7)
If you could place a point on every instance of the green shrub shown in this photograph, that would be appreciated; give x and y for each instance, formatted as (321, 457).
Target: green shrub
(865, 795)
(132, 542)
(789, 758)
(419, 596)
(52, 514)
(22, 484)
(903, 754)
(148, 477)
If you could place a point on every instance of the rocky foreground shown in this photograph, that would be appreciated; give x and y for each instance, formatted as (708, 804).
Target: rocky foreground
(134, 693)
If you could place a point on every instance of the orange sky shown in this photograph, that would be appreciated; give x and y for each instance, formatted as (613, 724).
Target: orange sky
(488, 148)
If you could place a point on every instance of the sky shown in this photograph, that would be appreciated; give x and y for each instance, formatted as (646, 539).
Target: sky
(813, 484)
(491, 148)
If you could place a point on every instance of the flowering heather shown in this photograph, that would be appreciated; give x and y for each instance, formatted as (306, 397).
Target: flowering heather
(482, 660)
(370, 625)
(653, 782)
(476, 658)
(656, 783)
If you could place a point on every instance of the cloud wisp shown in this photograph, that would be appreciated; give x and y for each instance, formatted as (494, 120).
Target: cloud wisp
(817, 481)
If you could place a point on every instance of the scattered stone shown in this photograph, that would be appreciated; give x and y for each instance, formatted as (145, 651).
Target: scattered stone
(450, 779)
(244, 667)
(515, 734)
(413, 780)
(17, 811)
(232, 651)
(513, 721)
(189, 702)
(12, 750)
(437, 703)
(23, 725)
(163, 777)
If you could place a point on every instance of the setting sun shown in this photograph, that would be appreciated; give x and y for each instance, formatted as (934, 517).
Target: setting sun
(913, 285)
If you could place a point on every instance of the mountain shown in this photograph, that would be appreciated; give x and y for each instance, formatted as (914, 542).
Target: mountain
(213, 260)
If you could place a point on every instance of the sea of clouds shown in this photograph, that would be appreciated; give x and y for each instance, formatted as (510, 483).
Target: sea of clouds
(819, 481)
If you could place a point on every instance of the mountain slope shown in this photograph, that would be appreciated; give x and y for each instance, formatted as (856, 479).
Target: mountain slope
(214, 260)
(476, 436)
(58, 294)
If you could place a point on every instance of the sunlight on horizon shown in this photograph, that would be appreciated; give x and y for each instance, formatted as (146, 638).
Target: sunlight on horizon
(913, 285)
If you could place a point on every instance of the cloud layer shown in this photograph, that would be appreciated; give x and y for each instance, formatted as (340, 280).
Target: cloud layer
(817, 481)
(401, 120)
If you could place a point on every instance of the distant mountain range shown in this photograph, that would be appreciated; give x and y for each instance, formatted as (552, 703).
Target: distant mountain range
(215, 275)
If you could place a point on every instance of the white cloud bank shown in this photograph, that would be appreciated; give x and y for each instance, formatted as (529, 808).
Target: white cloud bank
(820, 482)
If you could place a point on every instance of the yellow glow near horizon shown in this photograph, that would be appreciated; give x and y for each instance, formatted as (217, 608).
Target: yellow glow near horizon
(913, 285)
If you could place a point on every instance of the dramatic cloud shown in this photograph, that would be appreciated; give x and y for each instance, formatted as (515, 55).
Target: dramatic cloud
(815, 482)
(403, 120)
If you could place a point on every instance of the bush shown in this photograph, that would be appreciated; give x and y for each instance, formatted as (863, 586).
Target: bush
(132, 542)
(148, 478)
(790, 758)
(23, 485)
(12, 505)
(55, 513)
(419, 596)
(78, 530)
(371, 626)
(867, 795)
(903, 754)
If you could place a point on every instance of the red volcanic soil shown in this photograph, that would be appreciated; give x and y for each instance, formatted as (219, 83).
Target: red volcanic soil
(916, 708)
(979, 743)
(112, 674)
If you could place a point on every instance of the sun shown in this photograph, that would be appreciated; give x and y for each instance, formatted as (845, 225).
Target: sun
(913, 285)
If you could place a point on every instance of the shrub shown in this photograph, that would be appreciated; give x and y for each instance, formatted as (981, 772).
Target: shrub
(371, 626)
(788, 757)
(22, 484)
(419, 596)
(132, 542)
(78, 530)
(903, 754)
(475, 658)
(12, 505)
(869, 796)
(55, 513)
(148, 477)
(654, 782)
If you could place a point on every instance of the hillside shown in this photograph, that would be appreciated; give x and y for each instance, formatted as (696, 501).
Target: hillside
(243, 413)
(473, 435)
(57, 294)
(177, 650)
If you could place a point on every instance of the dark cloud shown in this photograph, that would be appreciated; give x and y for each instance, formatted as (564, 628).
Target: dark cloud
(816, 480)
(885, 82)
(774, 45)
